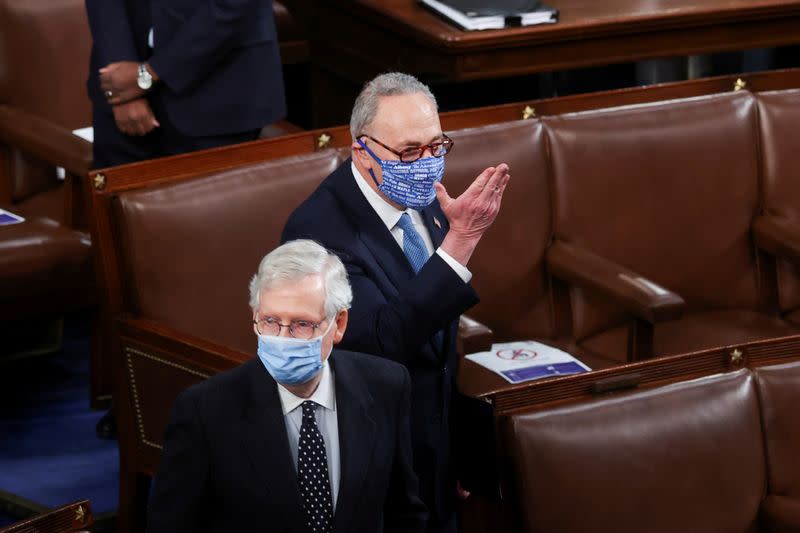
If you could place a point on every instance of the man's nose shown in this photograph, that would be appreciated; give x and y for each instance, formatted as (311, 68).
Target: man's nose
(285, 331)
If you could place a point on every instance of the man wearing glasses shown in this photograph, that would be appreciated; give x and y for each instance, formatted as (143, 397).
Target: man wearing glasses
(406, 245)
(301, 438)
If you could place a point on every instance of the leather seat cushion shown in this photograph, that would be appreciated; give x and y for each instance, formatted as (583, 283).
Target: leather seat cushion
(42, 260)
(697, 331)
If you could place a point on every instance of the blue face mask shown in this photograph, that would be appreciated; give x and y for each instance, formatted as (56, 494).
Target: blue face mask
(292, 361)
(408, 184)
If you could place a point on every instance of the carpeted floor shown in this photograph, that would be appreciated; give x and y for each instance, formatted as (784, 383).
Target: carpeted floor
(49, 453)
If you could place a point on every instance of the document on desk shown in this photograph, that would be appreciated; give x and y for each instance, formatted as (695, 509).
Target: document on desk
(7, 217)
(492, 15)
(527, 360)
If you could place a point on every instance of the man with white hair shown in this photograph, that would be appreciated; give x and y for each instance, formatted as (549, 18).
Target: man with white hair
(406, 245)
(303, 438)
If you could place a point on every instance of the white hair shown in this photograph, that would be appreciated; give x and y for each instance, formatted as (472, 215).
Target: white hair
(388, 84)
(296, 260)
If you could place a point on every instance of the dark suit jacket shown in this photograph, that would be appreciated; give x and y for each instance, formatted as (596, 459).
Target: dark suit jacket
(397, 314)
(227, 466)
(218, 59)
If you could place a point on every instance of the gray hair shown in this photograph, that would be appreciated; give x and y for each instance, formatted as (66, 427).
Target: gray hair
(296, 260)
(388, 84)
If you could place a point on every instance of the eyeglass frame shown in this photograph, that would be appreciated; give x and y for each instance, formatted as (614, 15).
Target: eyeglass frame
(446, 141)
(314, 325)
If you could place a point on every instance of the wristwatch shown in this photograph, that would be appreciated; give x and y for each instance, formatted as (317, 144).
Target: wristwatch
(144, 80)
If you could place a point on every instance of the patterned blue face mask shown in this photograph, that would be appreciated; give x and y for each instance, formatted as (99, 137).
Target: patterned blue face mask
(292, 361)
(408, 184)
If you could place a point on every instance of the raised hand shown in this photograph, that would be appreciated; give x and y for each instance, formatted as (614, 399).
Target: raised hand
(471, 214)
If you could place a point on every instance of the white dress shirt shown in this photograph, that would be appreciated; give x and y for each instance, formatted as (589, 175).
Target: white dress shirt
(390, 215)
(327, 422)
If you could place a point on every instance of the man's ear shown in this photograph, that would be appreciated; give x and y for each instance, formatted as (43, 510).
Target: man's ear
(361, 155)
(341, 326)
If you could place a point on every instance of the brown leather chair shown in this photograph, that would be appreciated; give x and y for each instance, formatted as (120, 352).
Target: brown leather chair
(45, 264)
(73, 518)
(683, 457)
(653, 208)
(188, 251)
(778, 388)
(778, 230)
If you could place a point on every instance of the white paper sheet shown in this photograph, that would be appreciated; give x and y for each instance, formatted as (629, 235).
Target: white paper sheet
(527, 360)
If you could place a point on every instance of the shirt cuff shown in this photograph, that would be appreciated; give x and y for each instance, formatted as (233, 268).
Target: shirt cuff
(462, 271)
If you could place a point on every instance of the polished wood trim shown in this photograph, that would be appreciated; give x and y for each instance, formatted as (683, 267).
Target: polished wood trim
(183, 166)
(373, 35)
(655, 372)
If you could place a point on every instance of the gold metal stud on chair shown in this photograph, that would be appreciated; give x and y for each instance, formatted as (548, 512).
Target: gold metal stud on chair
(323, 141)
(528, 112)
(99, 182)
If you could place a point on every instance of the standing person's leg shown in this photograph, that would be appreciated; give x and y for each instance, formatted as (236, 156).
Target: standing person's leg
(111, 147)
(172, 141)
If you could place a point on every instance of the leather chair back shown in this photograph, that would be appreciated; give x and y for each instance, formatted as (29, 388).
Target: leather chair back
(684, 457)
(44, 62)
(508, 266)
(779, 116)
(44, 53)
(191, 248)
(668, 190)
(779, 389)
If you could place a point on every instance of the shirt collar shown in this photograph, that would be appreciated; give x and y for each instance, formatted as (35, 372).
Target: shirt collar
(324, 395)
(388, 213)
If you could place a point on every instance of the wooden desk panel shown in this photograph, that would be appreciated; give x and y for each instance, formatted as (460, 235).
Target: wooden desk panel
(356, 39)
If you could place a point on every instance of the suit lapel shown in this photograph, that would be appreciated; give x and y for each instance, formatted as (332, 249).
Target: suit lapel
(356, 439)
(371, 230)
(266, 444)
(435, 222)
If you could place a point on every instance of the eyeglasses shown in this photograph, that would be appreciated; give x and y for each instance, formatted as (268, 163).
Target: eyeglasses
(409, 155)
(299, 329)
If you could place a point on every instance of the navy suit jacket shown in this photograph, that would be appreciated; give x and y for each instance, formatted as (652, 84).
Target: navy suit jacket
(226, 464)
(396, 314)
(218, 60)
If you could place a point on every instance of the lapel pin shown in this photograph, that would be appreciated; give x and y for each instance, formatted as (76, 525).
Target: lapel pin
(436, 221)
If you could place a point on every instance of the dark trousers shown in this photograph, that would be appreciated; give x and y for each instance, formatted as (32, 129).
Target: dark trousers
(112, 147)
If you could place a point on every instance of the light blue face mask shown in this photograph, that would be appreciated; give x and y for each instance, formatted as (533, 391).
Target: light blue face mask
(408, 184)
(292, 361)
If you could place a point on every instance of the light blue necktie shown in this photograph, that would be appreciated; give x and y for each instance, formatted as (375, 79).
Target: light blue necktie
(417, 254)
(413, 245)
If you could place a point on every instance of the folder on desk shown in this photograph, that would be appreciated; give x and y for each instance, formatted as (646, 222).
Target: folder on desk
(493, 14)
(527, 360)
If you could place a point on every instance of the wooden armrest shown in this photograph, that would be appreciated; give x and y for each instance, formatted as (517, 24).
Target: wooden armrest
(781, 514)
(778, 237)
(45, 140)
(74, 517)
(632, 291)
(208, 355)
(473, 336)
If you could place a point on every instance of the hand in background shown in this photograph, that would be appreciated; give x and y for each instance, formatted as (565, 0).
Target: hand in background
(118, 82)
(135, 117)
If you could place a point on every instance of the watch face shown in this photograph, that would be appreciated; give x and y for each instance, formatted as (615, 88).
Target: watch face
(144, 80)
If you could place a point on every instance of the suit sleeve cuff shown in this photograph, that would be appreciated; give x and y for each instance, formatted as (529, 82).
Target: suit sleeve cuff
(462, 271)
